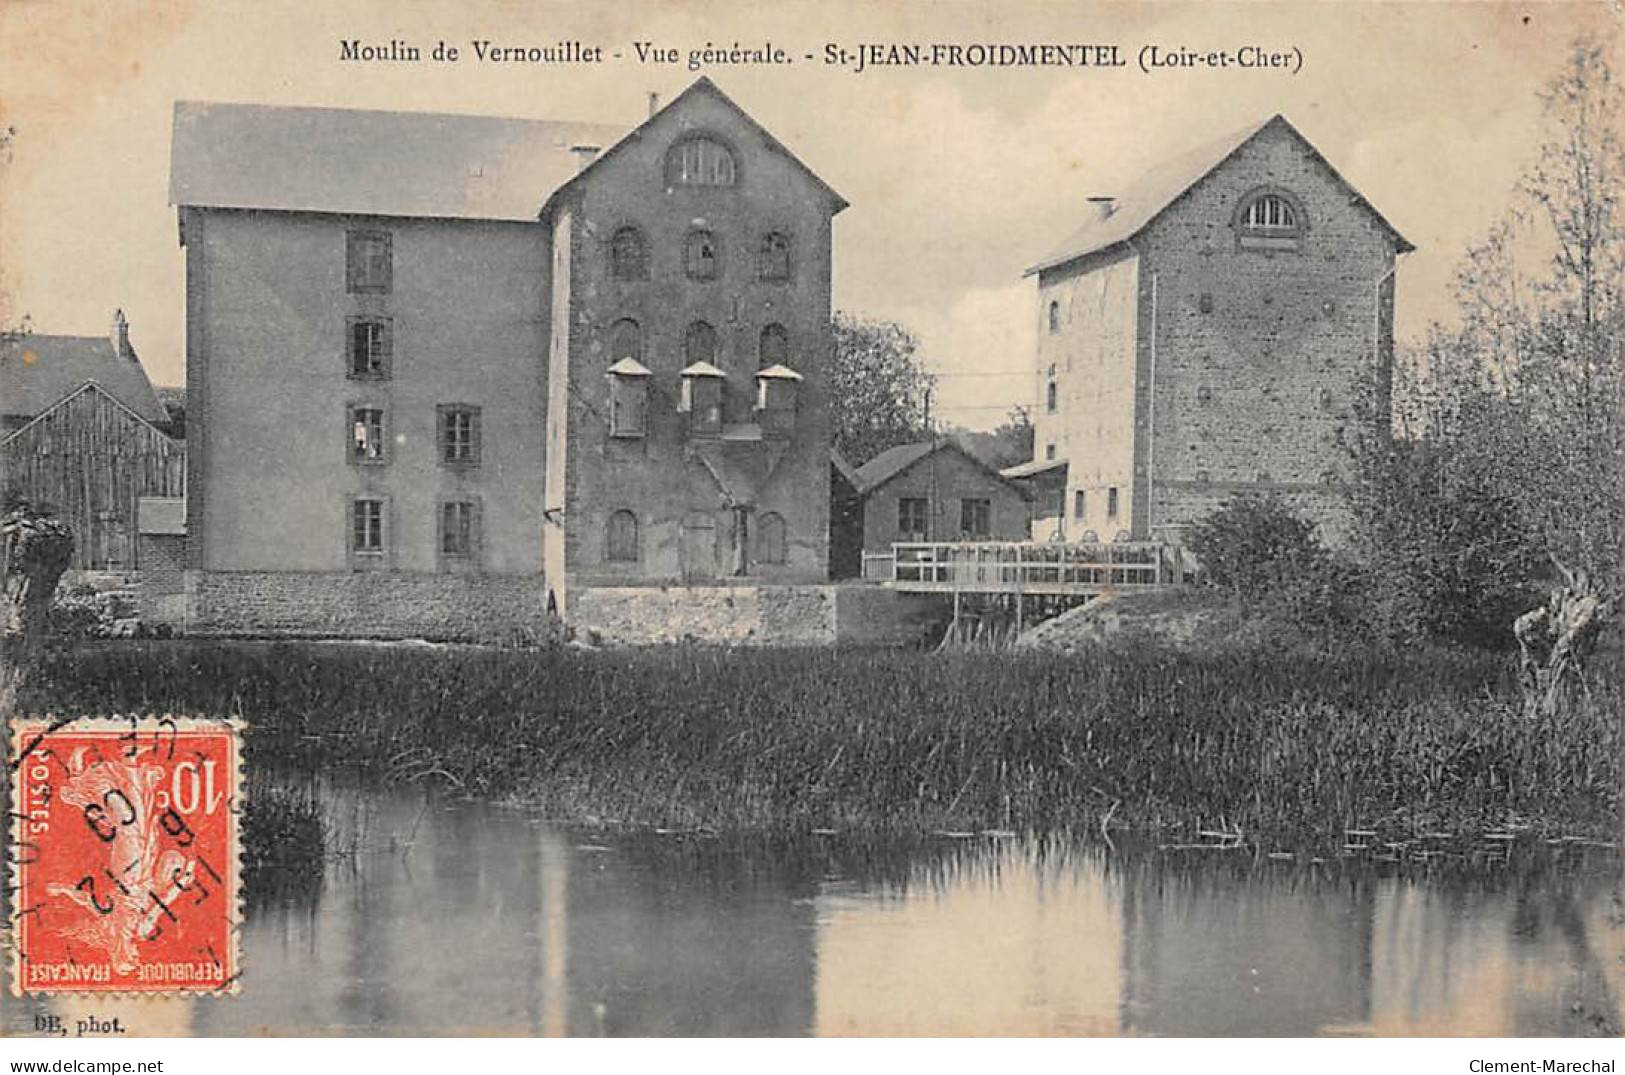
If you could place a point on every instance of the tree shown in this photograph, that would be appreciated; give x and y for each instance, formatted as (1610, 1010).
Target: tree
(878, 387)
(1504, 479)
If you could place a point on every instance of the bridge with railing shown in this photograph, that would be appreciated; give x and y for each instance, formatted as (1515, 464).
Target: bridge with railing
(1028, 567)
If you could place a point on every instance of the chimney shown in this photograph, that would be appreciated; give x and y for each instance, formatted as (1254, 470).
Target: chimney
(120, 336)
(1105, 205)
(654, 103)
(585, 155)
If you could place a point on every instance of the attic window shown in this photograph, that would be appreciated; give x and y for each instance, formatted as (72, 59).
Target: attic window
(369, 262)
(699, 162)
(1269, 218)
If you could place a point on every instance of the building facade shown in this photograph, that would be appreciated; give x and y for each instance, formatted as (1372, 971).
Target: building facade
(937, 491)
(439, 368)
(1223, 329)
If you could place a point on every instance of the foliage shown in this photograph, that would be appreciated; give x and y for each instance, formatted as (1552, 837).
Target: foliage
(1504, 479)
(1288, 747)
(1007, 444)
(878, 388)
(1264, 553)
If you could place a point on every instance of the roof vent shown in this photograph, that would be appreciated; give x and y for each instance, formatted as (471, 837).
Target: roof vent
(1105, 205)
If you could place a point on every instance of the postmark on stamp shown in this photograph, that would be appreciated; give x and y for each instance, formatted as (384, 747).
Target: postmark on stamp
(124, 843)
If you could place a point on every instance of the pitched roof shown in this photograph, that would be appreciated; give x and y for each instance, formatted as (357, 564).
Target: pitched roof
(36, 372)
(843, 468)
(341, 160)
(1032, 467)
(1164, 185)
(703, 85)
(894, 461)
(84, 389)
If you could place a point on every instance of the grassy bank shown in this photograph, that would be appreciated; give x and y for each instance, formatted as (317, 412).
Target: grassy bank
(1282, 749)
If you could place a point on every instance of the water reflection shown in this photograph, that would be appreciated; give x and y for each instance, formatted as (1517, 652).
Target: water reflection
(470, 919)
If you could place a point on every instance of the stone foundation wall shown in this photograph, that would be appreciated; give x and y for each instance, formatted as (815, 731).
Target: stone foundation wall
(463, 608)
(817, 615)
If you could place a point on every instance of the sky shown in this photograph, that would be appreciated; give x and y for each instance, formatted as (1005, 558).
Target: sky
(958, 177)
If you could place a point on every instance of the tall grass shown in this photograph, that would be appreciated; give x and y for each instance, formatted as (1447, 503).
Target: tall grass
(1276, 748)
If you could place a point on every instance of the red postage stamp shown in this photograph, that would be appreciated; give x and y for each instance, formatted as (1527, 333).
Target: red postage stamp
(125, 853)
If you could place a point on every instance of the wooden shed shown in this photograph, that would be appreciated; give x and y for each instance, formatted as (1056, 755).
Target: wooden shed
(90, 459)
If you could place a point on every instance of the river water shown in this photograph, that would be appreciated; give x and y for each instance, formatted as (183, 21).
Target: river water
(453, 918)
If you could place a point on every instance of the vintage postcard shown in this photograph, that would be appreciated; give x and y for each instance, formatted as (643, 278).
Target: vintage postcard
(1027, 519)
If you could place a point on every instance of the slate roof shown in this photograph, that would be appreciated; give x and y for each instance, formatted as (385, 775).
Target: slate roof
(1164, 185)
(341, 160)
(893, 461)
(37, 372)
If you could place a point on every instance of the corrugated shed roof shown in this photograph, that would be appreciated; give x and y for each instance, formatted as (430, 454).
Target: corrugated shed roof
(1162, 186)
(339, 160)
(38, 371)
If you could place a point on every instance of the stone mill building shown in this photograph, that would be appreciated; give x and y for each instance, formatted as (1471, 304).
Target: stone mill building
(446, 373)
(1218, 329)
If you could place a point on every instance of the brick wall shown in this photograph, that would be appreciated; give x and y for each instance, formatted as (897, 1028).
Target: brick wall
(162, 584)
(365, 605)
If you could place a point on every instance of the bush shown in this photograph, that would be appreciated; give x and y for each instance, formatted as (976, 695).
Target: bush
(82, 611)
(1261, 551)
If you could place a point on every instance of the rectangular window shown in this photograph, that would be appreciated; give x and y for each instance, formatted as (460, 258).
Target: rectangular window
(1111, 502)
(628, 405)
(459, 435)
(369, 262)
(367, 526)
(1049, 453)
(1079, 504)
(367, 444)
(911, 518)
(976, 517)
(459, 529)
(370, 345)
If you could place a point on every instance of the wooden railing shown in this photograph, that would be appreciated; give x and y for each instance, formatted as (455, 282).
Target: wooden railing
(1028, 567)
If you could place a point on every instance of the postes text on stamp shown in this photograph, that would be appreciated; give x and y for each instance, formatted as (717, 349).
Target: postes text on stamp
(125, 855)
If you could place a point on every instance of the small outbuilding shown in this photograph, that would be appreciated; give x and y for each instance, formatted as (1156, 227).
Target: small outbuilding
(937, 491)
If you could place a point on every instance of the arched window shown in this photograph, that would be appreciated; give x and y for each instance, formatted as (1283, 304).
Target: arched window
(771, 539)
(627, 259)
(621, 537)
(774, 347)
(1055, 317)
(700, 343)
(1050, 397)
(625, 340)
(701, 255)
(699, 162)
(1270, 212)
(1269, 218)
(773, 263)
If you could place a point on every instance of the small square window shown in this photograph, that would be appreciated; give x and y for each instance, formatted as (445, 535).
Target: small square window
(371, 343)
(367, 443)
(367, 526)
(369, 262)
(459, 435)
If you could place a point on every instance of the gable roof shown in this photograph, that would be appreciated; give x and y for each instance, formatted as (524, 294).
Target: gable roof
(894, 461)
(843, 468)
(343, 160)
(1160, 188)
(700, 85)
(37, 372)
(88, 386)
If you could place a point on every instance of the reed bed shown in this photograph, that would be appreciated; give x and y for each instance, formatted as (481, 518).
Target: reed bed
(1261, 749)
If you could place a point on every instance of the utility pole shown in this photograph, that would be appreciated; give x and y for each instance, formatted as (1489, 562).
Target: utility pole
(932, 506)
